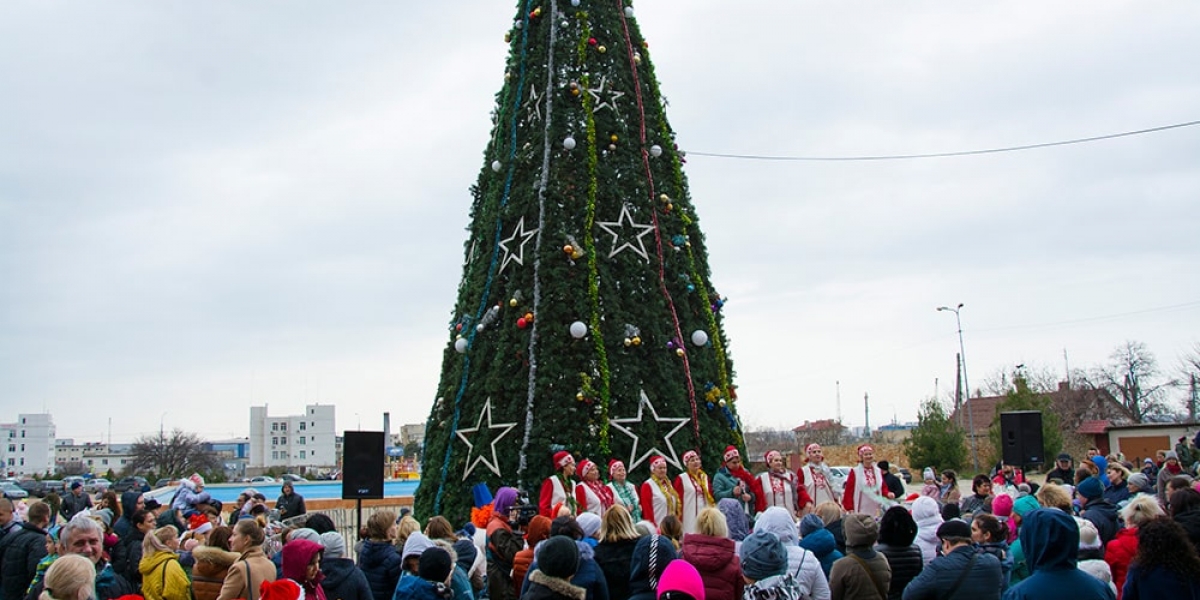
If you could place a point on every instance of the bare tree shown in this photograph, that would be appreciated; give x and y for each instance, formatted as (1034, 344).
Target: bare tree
(1133, 378)
(173, 455)
(1189, 380)
(1038, 378)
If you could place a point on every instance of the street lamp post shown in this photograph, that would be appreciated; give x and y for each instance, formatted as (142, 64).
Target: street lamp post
(962, 353)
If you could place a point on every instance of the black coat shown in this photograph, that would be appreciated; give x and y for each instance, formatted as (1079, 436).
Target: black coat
(344, 581)
(290, 505)
(128, 556)
(982, 582)
(72, 504)
(906, 564)
(543, 587)
(381, 564)
(1102, 514)
(21, 550)
(1190, 521)
(894, 484)
(616, 561)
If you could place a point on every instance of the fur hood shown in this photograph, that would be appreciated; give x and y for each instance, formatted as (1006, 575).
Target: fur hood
(558, 586)
(217, 556)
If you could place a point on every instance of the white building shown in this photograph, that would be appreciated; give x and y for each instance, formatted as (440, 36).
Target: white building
(412, 434)
(293, 443)
(28, 445)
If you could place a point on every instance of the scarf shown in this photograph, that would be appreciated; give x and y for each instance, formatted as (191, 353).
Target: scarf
(821, 477)
(1174, 469)
(869, 476)
(629, 499)
(778, 481)
(570, 502)
(700, 484)
(602, 491)
(674, 504)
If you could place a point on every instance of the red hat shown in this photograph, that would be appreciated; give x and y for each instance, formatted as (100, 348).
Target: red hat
(563, 458)
(689, 454)
(864, 448)
(283, 589)
(585, 465)
(198, 523)
(654, 462)
(731, 453)
(811, 447)
(772, 454)
(613, 464)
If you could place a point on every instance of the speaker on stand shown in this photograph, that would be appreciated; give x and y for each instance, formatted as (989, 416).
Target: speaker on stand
(363, 455)
(1021, 438)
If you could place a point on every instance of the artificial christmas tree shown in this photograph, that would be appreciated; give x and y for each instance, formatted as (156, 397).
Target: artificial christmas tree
(585, 317)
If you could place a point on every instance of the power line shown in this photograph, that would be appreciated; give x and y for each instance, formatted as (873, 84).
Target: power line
(943, 154)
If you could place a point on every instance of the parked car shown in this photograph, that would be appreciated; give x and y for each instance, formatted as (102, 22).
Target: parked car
(13, 491)
(137, 484)
(98, 485)
(162, 483)
(53, 485)
(263, 479)
(292, 477)
(906, 475)
(840, 474)
(32, 487)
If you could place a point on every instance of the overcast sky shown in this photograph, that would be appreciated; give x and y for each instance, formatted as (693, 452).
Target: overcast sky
(210, 205)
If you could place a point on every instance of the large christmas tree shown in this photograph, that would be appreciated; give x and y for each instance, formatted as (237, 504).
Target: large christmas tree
(585, 318)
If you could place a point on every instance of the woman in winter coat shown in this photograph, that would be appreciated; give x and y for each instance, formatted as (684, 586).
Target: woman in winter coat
(587, 574)
(1185, 510)
(928, 515)
(245, 577)
(503, 546)
(803, 565)
(213, 561)
(832, 516)
(713, 554)
(302, 564)
(1165, 565)
(816, 539)
(614, 553)
(992, 537)
(162, 576)
(897, 531)
(949, 488)
(378, 559)
(1120, 551)
(538, 531)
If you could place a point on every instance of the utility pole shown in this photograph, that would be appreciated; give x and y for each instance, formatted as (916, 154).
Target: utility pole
(1192, 401)
(867, 415)
(958, 388)
(838, 386)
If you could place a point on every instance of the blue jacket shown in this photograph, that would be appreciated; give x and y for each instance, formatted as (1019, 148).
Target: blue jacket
(1102, 514)
(1050, 538)
(821, 543)
(982, 582)
(1002, 553)
(381, 564)
(1156, 583)
(344, 581)
(412, 587)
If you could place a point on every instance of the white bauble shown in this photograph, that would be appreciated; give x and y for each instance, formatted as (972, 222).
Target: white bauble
(460, 345)
(569, 143)
(578, 329)
(699, 337)
(656, 151)
(497, 165)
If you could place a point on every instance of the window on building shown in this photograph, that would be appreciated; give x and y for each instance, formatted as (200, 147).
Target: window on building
(275, 441)
(283, 441)
(22, 447)
(12, 447)
(301, 425)
(22, 433)
(300, 441)
(123, 461)
(22, 462)
(283, 426)
(12, 462)
(275, 454)
(104, 461)
(301, 454)
(274, 426)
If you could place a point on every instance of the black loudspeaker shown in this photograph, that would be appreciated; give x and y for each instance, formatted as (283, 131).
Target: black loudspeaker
(1021, 436)
(362, 465)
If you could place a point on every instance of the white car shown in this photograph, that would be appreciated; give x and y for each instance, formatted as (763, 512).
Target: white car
(263, 479)
(840, 474)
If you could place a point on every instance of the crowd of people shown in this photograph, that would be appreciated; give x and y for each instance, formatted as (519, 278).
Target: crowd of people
(1096, 530)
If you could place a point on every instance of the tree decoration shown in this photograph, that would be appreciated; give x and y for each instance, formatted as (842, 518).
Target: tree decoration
(569, 143)
(578, 329)
(506, 244)
(497, 165)
(699, 337)
(610, 96)
(463, 434)
(627, 425)
(460, 345)
(617, 228)
(656, 151)
(628, 12)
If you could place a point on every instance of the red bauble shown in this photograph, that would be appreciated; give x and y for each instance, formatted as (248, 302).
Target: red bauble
(592, 41)
(522, 323)
(458, 327)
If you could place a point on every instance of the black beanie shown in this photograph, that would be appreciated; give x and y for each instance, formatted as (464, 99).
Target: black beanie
(434, 565)
(558, 557)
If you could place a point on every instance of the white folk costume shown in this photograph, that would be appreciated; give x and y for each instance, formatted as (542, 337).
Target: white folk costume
(864, 488)
(624, 493)
(591, 496)
(819, 484)
(695, 493)
(659, 498)
(557, 489)
(782, 489)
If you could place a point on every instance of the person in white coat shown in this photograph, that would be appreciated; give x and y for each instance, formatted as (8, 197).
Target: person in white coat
(804, 566)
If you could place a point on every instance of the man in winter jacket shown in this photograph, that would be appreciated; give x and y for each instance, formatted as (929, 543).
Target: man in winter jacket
(960, 573)
(343, 580)
(1101, 512)
(1064, 470)
(290, 504)
(75, 501)
(21, 550)
(131, 502)
(1051, 541)
(86, 538)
